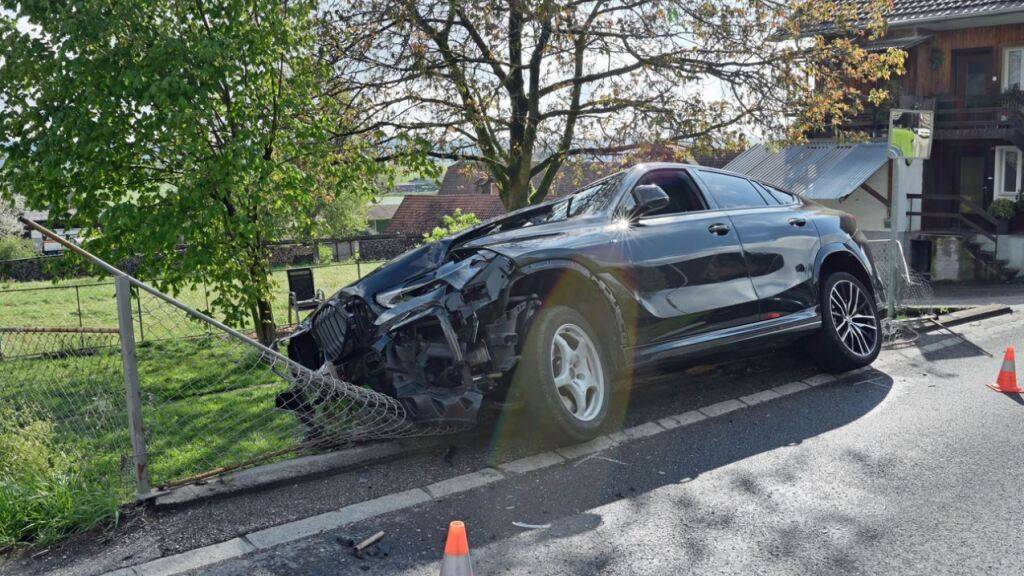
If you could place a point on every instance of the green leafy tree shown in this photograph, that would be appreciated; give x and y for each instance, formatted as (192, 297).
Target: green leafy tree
(189, 132)
(451, 224)
(11, 207)
(524, 86)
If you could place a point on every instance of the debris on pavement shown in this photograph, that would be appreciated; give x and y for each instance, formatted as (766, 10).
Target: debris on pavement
(531, 526)
(370, 547)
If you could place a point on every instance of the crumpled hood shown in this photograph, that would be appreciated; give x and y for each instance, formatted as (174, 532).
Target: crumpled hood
(516, 242)
(520, 238)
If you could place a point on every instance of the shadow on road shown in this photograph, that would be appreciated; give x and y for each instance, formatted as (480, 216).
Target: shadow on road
(567, 496)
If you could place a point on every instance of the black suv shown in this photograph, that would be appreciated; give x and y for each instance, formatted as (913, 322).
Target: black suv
(547, 307)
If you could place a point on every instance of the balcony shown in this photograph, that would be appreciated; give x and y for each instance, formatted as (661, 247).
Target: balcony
(955, 119)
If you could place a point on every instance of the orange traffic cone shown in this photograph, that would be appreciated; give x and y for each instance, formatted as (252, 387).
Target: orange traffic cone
(1007, 380)
(456, 552)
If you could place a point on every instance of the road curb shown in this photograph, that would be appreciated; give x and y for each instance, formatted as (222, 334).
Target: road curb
(306, 527)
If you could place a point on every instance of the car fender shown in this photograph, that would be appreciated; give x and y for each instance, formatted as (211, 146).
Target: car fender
(603, 287)
(854, 249)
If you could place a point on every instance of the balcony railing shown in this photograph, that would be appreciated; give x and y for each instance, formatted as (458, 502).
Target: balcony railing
(954, 118)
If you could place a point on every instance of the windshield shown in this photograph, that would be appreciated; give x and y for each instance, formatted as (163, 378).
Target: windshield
(586, 201)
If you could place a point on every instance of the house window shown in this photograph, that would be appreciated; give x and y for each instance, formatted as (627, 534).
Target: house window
(1008, 167)
(1013, 67)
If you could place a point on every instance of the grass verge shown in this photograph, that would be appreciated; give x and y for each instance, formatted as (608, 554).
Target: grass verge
(65, 463)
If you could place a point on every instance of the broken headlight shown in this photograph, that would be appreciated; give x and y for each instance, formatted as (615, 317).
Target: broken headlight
(395, 296)
(455, 273)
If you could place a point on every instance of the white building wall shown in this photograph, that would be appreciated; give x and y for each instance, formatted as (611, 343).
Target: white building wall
(871, 213)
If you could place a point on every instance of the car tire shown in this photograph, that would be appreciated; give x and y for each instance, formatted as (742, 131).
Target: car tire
(551, 388)
(851, 332)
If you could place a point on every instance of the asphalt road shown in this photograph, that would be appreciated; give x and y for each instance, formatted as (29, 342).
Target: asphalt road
(912, 468)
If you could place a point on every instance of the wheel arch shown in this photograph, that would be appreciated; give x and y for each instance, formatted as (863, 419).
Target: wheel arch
(571, 283)
(838, 257)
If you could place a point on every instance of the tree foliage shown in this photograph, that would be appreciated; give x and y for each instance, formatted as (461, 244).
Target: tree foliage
(191, 132)
(523, 85)
(10, 209)
(450, 224)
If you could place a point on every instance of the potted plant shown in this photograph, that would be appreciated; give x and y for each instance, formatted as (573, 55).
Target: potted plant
(1002, 209)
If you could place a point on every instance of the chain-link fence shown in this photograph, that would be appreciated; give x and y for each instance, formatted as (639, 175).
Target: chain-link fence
(907, 287)
(910, 288)
(132, 390)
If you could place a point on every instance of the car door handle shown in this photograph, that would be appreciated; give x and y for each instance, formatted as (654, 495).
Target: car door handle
(797, 222)
(719, 229)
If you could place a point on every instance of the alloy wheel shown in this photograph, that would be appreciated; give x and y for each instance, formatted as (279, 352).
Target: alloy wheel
(855, 324)
(577, 372)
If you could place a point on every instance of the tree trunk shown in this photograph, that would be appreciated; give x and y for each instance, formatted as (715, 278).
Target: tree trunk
(517, 192)
(263, 317)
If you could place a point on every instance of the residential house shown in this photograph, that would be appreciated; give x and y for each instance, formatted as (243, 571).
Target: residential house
(965, 62)
(466, 186)
(380, 214)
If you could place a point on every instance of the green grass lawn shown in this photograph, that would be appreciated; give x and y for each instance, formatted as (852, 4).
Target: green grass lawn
(55, 304)
(65, 452)
(208, 402)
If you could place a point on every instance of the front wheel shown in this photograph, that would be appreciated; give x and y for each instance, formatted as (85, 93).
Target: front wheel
(851, 334)
(563, 376)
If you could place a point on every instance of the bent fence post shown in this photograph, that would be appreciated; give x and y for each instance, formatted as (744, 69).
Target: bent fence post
(133, 394)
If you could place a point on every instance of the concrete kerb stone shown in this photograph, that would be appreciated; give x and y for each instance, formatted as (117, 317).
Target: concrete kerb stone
(531, 463)
(194, 559)
(758, 397)
(577, 450)
(721, 408)
(791, 388)
(687, 418)
(819, 379)
(463, 483)
(276, 535)
(298, 467)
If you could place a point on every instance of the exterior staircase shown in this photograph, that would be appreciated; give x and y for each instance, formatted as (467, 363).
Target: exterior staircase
(983, 251)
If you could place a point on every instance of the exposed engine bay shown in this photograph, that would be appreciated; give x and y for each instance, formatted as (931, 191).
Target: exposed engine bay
(441, 342)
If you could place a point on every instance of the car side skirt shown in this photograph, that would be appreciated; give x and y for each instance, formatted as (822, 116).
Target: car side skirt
(804, 320)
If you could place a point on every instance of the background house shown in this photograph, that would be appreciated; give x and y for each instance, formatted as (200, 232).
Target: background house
(380, 214)
(965, 61)
(467, 187)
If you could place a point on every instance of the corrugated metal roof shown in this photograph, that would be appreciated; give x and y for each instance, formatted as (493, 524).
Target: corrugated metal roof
(825, 171)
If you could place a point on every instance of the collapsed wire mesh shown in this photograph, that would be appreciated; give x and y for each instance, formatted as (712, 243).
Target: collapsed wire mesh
(910, 289)
(209, 400)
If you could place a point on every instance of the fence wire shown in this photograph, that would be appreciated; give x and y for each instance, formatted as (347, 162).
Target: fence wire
(65, 446)
(910, 289)
(210, 400)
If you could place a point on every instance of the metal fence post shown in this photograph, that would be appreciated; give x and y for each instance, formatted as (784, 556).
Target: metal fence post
(892, 298)
(78, 299)
(133, 394)
(138, 305)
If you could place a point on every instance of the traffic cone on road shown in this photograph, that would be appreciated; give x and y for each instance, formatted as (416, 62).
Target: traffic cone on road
(456, 552)
(1007, 380)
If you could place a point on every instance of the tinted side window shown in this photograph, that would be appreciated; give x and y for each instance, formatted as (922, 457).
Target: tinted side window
(783, 198)
(732, 192)
(682, 191)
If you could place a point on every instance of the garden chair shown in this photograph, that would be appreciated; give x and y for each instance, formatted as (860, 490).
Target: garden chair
(302, 294)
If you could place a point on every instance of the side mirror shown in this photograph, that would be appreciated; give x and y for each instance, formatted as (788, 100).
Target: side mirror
(649, 198)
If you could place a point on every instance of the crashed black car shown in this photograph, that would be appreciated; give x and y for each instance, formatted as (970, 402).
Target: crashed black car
(551, 305)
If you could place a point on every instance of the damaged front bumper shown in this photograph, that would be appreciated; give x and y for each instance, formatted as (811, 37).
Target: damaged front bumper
(437, 343)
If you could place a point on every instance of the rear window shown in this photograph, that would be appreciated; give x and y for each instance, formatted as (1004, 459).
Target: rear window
(772, 193)
(732, 192)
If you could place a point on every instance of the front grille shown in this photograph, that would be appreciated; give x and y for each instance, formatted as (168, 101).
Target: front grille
(339, 327)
